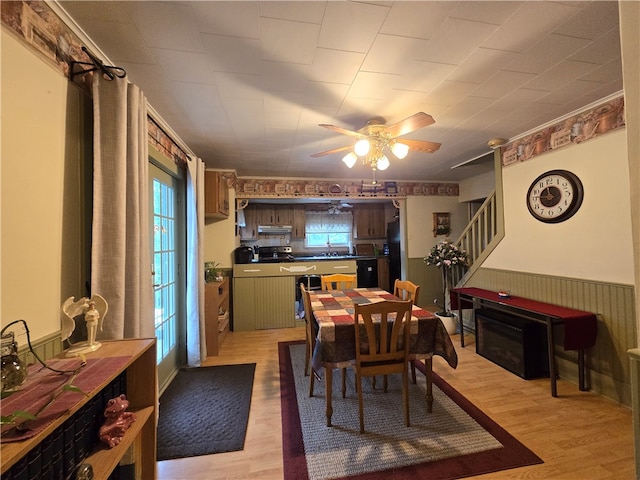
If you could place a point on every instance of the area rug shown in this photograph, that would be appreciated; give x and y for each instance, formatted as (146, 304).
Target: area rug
(205, 410)
(456, 440)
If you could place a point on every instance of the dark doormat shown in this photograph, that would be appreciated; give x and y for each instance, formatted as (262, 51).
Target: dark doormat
(205, 410)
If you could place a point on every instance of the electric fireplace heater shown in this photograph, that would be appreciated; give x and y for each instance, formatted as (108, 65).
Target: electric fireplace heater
(516, 344)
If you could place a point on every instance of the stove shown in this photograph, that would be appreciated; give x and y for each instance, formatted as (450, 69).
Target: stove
(274, 254)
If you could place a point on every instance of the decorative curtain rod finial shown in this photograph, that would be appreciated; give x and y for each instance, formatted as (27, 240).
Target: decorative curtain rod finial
(108, 71)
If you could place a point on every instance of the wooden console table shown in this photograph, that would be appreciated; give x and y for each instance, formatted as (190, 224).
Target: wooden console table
(580, 327)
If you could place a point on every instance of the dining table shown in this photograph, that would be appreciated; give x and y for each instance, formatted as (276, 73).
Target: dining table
(333, 312)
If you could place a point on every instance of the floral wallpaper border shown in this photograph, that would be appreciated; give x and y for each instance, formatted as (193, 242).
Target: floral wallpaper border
(579, 128)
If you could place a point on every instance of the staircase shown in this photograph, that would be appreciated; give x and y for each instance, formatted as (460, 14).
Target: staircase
(479, 238)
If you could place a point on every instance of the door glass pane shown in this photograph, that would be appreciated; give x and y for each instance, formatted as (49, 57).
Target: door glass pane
(164, 256)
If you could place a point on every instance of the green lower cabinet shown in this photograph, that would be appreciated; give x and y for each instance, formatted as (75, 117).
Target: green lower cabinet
(263, 303)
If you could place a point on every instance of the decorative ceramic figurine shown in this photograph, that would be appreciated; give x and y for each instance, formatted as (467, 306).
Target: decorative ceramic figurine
(117, 422)
(94, 310)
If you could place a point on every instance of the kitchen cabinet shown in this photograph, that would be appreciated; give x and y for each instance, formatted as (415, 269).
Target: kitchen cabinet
(266, 214)
(369, 221)
(137, 379)
(298, 221)
(216, 314)
(250, 230)
(263, 303)
(216, 195)
(271, 214)
(264, 294)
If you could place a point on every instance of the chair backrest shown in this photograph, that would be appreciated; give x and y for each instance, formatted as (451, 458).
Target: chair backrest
(338, 281)
(384, 327)
(306, 302)
(406, 290)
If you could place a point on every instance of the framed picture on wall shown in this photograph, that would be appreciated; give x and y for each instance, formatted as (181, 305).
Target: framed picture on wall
(441, 223)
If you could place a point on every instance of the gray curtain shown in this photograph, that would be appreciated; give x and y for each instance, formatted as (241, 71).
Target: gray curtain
(120, 248)
(196, 338)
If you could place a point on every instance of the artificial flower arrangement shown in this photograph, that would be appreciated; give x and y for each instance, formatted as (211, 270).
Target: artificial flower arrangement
(445, 255)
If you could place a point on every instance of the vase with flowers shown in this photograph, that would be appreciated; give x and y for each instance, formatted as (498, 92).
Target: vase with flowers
(446, 255)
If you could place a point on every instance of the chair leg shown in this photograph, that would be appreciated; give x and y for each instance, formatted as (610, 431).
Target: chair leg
(312, 379)
(413, 371)
(405, 396)
(344, 382)
(384, 384)
(306, 360)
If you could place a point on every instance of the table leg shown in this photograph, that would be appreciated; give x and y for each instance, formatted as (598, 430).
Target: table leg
(428, 373)
(552, 358)
(328, 380)
(581, 371)
(460, 320)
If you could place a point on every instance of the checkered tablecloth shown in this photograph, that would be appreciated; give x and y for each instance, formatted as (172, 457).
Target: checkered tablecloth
(335, 343)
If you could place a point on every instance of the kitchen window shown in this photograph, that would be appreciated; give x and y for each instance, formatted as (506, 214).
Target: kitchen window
(326, 230)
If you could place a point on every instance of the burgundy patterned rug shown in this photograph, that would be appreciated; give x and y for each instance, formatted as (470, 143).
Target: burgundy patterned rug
(457, 440)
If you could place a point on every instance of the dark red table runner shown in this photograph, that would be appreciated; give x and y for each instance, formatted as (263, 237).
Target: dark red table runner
(41, 383)
(580, 327)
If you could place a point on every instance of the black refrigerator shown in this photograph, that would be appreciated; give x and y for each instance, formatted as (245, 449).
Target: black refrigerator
(393, 241)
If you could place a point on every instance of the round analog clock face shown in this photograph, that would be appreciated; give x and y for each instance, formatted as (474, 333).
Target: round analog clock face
(555, 196)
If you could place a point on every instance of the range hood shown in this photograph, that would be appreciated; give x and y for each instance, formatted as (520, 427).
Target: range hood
(274, 229)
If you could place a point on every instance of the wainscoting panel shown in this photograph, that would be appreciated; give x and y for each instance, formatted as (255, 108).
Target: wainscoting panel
(45, 347)
(608, 362)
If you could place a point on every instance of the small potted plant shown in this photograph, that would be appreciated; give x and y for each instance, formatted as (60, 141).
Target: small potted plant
(211, 272)
(445, 255)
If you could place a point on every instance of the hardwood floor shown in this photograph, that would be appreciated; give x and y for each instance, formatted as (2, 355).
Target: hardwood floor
(579, 435)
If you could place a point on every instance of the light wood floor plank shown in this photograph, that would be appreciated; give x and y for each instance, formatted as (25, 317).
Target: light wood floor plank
(579, 435)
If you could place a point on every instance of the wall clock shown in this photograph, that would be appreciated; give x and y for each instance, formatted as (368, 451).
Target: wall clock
(555, 196)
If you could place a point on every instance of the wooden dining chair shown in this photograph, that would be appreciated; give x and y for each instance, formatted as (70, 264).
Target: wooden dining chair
(311, 333)
(384, 327)
(310, 336)
(338, 281)
(407, 290)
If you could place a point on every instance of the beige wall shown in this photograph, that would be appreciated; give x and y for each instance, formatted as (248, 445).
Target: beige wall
(420, 240)
(594, 244)
(42, 198)
(220, 237)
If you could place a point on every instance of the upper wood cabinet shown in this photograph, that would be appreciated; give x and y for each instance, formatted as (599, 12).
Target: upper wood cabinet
(216, 195)
(250, 230)
(298, 221)
(368, 219)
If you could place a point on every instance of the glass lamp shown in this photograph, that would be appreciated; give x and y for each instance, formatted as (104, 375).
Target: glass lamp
(400, 150)
(383, 163)
(350, 159)
(362, 147)
(14, 370)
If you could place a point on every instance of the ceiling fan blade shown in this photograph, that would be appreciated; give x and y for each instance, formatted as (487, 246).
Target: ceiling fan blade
(341, 130)
(420, 145)
(414, 122)
(333, 150)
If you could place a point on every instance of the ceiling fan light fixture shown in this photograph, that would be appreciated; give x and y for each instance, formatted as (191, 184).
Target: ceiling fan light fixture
(383, 163)
(400, 150)
(362, 147)
(350, 159)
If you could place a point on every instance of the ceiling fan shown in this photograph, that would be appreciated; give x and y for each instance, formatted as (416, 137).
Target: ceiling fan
(375, 137)
(337, 206)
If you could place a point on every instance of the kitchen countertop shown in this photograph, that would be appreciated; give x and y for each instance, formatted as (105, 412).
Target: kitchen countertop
(319, 258)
